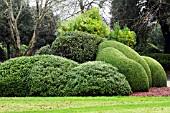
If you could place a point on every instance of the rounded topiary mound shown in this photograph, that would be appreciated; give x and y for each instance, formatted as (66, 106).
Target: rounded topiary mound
(159, 78)
(128, 52)
(44, 76)
(95, 79)
(15, 73)
(78, 46)
(45, 50)
(134, 72)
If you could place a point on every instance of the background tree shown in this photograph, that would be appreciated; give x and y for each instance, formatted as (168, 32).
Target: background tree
(141, 16)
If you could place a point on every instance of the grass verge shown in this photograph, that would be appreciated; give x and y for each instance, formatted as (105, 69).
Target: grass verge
(85, 105)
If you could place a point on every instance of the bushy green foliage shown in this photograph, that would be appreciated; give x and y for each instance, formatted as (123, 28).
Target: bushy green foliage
(159, 78)
(78, 46)
(17, 75)
(44, 75)
(134, 72)
(123, 35)
(95, 79)
(89, 21)
(163, 59)
(44, 50)
(13, 75)
(128, 52)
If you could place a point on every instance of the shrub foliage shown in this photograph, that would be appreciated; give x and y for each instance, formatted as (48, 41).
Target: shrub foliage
(89, 22)
(134, 72)
(19, 75)
(128, 52)
(159, 78)
(78, 46)
(95, 79)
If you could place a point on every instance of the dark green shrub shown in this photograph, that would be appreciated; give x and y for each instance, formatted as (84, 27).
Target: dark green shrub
(44, 76)
(15, 74)
(159, 78)
(163, 59)
(2, 55)
(95, 79)
(78, 46)
(44, 50)
(134, 72)
(128, 52)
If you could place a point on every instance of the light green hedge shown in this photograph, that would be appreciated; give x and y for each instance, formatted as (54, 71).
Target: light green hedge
(128, 52)
(134, 72)
(159, 78)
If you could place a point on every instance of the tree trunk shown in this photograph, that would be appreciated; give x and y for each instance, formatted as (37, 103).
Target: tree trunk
(31, 47)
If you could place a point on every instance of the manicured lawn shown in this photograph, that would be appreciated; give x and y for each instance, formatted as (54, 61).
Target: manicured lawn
(85, 105)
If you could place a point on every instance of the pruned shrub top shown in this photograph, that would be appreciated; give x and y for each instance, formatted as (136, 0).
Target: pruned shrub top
(78, 46)
(158, 74)
(16, 73)
(129, 53)
(134, 72)
(95, 79)
(45, 50)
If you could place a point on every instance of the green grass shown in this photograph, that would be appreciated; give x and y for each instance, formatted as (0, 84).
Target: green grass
(85, 105)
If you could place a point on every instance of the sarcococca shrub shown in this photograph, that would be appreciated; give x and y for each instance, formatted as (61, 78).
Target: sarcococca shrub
(95, 79)
(134, 72)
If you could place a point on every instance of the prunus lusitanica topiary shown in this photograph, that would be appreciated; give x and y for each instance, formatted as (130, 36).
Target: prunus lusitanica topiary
(78, 46)
(134, 72)
(129, 53)
(95, 79)
(158, 74)
(15, 73)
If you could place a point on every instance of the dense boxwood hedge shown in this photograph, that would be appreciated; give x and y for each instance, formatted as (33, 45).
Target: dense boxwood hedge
(78, 46)
(134, 72)
(128, 52)
(95, 79)
(159, 78)
(163, 59)
(16, 74)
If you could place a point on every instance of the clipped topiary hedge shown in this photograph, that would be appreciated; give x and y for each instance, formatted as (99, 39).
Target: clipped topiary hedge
(134, 72)
(45, 50)
(95, 79)
(128, 52)
(44, 76)
(159, 78)
(16, 74)
(163, 59)
(78, 46)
